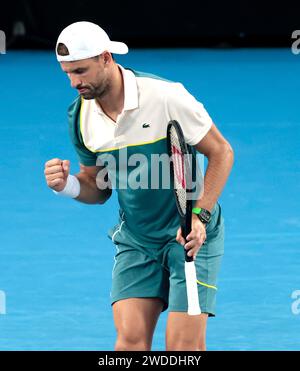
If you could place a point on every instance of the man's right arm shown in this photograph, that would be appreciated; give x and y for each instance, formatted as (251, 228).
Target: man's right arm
(57, 172)
(90, 193)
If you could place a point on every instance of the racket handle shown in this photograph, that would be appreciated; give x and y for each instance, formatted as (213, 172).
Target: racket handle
(192, 289)
(184, 234)
(187, 258)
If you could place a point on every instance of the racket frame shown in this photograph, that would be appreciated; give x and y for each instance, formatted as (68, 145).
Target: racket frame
(185, 219)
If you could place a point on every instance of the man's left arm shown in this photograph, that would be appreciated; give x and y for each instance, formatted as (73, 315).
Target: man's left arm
(220, 158)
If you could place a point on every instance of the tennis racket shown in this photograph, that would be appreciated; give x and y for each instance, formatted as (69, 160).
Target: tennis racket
(181, 178)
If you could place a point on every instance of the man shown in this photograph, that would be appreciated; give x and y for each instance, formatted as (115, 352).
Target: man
(121, 113)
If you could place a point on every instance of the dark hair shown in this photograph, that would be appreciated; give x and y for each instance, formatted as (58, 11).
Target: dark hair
(62, 49)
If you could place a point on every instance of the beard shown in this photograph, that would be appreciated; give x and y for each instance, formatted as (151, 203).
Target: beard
(95, 91)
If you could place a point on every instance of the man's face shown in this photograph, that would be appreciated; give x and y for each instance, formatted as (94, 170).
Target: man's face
(89, 76)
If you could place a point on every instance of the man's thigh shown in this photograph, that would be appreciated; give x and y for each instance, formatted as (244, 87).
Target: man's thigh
(135, 320)
(207, 264)
(185, 332)
(207, 268)
(138, 275)
(139, 293)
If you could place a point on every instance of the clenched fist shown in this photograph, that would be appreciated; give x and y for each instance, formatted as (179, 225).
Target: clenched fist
(56, 173)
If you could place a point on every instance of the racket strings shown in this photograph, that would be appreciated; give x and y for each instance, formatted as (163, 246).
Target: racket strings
(179, 170)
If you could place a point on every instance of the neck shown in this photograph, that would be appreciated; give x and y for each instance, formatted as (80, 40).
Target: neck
(113, 102)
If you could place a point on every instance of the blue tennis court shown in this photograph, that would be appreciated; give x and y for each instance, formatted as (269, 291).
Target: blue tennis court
(55, 257)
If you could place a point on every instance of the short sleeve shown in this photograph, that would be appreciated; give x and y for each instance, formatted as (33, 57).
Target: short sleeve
(191, 114)
(86, 157)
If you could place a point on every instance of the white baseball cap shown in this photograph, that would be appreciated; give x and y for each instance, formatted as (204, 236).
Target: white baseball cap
(86, 40)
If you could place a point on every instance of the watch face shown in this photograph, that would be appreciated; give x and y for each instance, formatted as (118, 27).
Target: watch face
(205, 216)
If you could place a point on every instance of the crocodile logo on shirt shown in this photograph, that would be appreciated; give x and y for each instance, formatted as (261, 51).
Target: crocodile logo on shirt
(145, 125)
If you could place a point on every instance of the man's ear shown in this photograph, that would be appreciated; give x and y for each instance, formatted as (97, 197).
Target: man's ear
(106, 57)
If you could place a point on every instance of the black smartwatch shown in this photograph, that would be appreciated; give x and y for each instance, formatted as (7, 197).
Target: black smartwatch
(203, 214)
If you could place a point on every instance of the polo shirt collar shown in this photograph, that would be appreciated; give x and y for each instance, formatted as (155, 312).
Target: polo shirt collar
(131, 100)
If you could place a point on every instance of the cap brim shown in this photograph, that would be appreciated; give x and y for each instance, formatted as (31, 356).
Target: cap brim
(117, 47)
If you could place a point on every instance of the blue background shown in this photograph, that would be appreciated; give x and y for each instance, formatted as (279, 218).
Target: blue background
(55, 257)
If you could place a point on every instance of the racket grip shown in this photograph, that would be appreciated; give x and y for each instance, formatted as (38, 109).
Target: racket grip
(192, 289)
(184, 234)
(187, 258)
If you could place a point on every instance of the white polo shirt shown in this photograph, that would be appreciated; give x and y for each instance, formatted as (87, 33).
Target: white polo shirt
(150, 101)
(149, 104)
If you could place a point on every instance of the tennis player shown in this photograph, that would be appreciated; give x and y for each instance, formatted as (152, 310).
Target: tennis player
(120, 113)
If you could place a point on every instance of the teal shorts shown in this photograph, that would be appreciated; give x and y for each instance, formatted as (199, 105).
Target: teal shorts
(146, 272)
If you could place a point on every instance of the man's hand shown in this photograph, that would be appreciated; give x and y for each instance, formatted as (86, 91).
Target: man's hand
(56, 173)
(195, 239)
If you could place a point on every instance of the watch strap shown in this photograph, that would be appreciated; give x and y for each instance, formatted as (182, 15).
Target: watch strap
(203, 214)
(196, 210)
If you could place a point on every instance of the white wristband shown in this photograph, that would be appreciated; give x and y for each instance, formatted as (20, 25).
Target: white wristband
(72, 188)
